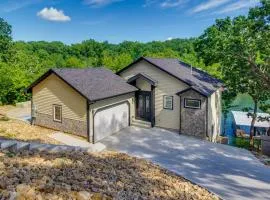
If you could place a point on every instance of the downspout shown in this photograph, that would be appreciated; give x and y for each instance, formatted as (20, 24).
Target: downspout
(180, 117)
(88, 122)
(206, 121)
(153, 106)
(91, 122)
(32, 111)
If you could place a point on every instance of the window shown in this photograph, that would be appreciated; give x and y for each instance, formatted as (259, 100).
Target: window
(168, 102)
(193, 103)
(57, 113)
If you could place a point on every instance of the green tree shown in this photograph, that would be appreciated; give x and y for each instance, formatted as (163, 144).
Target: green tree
(73, 62)
(5, 39)
(164, 53)
(116, 62)
(241, 46)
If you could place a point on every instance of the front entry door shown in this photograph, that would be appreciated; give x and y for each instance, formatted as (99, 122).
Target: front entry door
(143, 101)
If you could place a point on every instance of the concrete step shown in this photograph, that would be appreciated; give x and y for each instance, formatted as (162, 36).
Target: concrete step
(141, 123)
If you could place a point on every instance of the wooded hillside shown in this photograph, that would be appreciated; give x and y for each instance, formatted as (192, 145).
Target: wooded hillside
(23, 62)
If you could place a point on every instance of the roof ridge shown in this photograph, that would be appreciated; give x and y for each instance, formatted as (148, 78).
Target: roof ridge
(186, 65)
(77, 68)
(198, 69)
(146, 57)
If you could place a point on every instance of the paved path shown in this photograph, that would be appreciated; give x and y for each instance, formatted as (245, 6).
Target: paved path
(20, 112)
(230, 172)
(73, 141)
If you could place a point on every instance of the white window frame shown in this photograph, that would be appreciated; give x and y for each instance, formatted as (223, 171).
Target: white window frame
(193, 107)
(164, 102)
(54, 119)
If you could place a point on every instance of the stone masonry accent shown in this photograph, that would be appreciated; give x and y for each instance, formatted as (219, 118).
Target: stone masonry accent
(193, 121)
(67, 125)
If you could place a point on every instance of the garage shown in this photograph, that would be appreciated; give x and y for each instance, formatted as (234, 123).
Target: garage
(110, 119)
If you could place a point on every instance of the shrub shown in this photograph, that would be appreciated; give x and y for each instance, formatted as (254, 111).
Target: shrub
(242, 143)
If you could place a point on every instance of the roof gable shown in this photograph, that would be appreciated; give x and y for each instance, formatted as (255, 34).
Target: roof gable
(195, 78)
(143, 76)
(92, 83)
(188, 89)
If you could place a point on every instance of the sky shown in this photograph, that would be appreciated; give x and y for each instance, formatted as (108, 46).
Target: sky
(72, 21)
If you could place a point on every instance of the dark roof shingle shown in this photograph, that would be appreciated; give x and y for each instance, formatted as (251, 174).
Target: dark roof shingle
(197, 79)
(93, 83)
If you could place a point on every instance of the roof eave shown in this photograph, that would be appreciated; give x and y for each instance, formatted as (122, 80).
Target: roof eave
(145, 59)
(134, 62)
(103, 98)
(48, 73)
(191, 88)
(140, 75)
(37, 81)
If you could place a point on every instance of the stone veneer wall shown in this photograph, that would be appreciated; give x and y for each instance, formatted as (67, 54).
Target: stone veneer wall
(67, 125)
(194, 121)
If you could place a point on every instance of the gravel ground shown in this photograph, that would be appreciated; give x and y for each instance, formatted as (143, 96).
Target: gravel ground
(16, 129)
(109, 175)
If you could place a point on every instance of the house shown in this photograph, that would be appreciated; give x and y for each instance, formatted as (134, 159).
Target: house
(95, 102)
(242, 122)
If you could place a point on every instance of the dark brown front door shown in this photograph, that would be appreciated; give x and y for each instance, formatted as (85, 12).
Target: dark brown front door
(143, 105)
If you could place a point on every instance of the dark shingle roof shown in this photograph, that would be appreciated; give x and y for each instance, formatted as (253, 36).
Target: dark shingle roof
(195, 78)
(92, 83)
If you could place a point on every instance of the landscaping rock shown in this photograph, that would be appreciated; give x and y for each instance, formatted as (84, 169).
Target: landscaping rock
(83, 176)
(83, 195)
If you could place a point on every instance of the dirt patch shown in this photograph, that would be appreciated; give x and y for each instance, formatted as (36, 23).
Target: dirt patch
(16, 129)
(108, 175)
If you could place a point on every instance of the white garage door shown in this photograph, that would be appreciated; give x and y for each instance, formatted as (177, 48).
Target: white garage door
(110, 120)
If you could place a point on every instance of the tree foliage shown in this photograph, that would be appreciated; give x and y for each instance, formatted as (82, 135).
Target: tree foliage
(22, 62)
(234, 50)
(242, 47)
(5, 40)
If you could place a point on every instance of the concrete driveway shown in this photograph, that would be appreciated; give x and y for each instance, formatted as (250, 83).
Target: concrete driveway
(231, 173)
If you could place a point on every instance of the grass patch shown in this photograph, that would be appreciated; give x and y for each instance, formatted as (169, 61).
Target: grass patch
(11, 135)
(242, 143)
(19, 130)
(2, 130)
(10, 154)
(248, 144)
